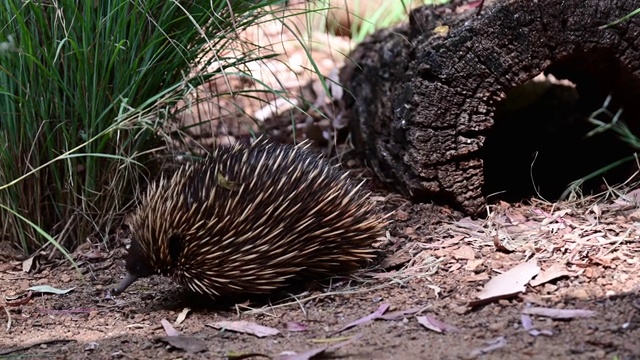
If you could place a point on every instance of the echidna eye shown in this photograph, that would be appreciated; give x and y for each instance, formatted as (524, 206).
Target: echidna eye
(175, 248)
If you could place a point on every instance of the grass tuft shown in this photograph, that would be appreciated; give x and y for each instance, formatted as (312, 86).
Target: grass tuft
(87, 90)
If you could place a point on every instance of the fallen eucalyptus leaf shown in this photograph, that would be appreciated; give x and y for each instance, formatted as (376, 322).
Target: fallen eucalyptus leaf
(49, 289)
(246, 327)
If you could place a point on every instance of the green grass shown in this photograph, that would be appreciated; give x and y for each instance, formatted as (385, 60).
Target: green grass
(86, 91)
(605, 120)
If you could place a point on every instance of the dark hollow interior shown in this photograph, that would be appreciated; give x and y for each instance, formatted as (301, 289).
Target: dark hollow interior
(538, 144)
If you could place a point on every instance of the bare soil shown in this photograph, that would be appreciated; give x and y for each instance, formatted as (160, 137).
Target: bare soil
(434, 261)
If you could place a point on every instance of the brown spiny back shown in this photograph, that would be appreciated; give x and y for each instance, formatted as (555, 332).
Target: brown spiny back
(248, 218)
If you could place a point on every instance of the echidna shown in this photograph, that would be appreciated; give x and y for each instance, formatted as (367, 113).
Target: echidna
(247, 219)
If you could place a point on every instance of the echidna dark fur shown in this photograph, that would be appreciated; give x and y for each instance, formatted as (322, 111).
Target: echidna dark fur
(249, 218)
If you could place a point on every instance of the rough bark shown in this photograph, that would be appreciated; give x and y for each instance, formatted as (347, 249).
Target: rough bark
(423, 102)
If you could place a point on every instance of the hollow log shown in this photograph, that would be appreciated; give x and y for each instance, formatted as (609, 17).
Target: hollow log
(425, 95)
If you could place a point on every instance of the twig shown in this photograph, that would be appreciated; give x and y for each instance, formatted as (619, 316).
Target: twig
(27, 347)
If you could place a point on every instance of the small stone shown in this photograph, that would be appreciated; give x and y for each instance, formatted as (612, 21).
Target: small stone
(577, 293)
(401, 215)
(499, 326)
(91, 346)
(464, 252)
(473, 265)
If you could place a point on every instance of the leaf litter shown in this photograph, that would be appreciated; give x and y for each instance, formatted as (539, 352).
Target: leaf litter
(554, 272)
(527, 324)
(431, 323)
(187, 343)
(295, 326)
(366, 319)
(509, 283)
(247, 327)
(562, 314)
(182, 316)
(49, 289)
(313, 353)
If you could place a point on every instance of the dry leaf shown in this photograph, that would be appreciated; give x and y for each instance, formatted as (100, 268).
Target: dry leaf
(19, 300)
(275, 107)
(455, 267)
(378, 313)
(502, 246)
(473, 265)
(296, 326)
(527, 324)
(182, 316)
(631, 198)
(553, 272)
(558, 313)
(477, 277)
(310, 354)
(28, 264)
(515, 217)
(436, 325)
(49, 289)
(168, 328)
(246, 327)
(395, 260)
(93, 255)
(468, 223)
(464, 252)
(494, 344)
(189, 344)
(509, 283)
(400, 314)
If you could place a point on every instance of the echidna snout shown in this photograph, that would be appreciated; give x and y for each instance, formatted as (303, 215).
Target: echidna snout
(248, 219)
(137, 267)
(124, 284)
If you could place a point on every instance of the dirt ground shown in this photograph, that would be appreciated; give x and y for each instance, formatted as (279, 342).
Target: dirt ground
(580, 300)
(435, 265)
